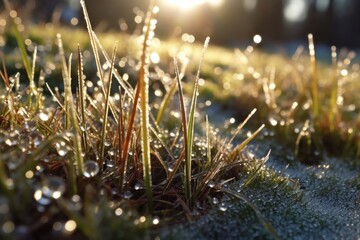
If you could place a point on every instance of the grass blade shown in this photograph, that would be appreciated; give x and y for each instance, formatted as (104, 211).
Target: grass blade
(144, 104)
(334, 91)
(190, 129)
(314, 82)
(184, 125)
(242, 145)
(106, 111)
(165, 103)
(82, 97)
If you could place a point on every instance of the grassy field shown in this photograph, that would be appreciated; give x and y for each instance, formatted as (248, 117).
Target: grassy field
(111, 136)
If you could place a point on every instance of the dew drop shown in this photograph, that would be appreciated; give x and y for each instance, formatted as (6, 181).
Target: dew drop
(43, 116)
(53, 187)
(61, 148)
(215, 200)
(110, 163)
(211, 184)
(118, 212)
(111, 152)
(70, 226)
(156, 220)
(223, 207)
(138, 186)
(40, 198)
(8, 227)
(127, 195)
(30, 126)
(91, 169)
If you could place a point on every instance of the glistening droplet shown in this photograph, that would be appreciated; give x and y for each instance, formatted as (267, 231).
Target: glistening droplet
(91, 169)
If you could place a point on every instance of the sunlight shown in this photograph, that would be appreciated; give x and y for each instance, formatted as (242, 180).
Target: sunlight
(295, 10)
(185, 4)
(191, 4)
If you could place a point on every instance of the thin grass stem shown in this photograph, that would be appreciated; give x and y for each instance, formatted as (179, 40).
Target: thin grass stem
(106, 111)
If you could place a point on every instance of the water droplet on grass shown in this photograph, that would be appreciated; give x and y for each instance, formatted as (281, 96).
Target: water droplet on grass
(138, 186)
(127, 195)
(110, 163)
(118, 212)
(156, 221)
(223, 207)
(53, 187)
(43, 116)
(211, 184)
(215, 200)
(61, 148)
(91, 169)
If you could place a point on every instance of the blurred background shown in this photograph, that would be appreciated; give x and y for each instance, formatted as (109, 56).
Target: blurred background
(228, 22)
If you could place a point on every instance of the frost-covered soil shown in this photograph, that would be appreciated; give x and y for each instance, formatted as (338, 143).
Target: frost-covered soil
(317, 202)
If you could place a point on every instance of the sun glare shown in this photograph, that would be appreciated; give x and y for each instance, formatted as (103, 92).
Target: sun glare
(191, 4)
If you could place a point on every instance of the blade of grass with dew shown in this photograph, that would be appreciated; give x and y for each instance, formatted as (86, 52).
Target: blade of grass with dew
(134, 95)
(334, 91)
(184, 123)
(94, 47)
(124, 84)
(241, 126)
(267, 225)
(208, 143)
(3, 73)
(92, 41)
(314, 80)
(126, 146)
(74, 125)
(120, 129)
(54, 96)
(66, 81)
(242, 145)
(190, 128)
(32, 81)
(166, 101)
(106, 110)
(82, 97)
(144, 104)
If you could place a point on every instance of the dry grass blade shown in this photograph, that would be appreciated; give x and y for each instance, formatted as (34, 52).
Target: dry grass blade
(3, 73)
(242, 145)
